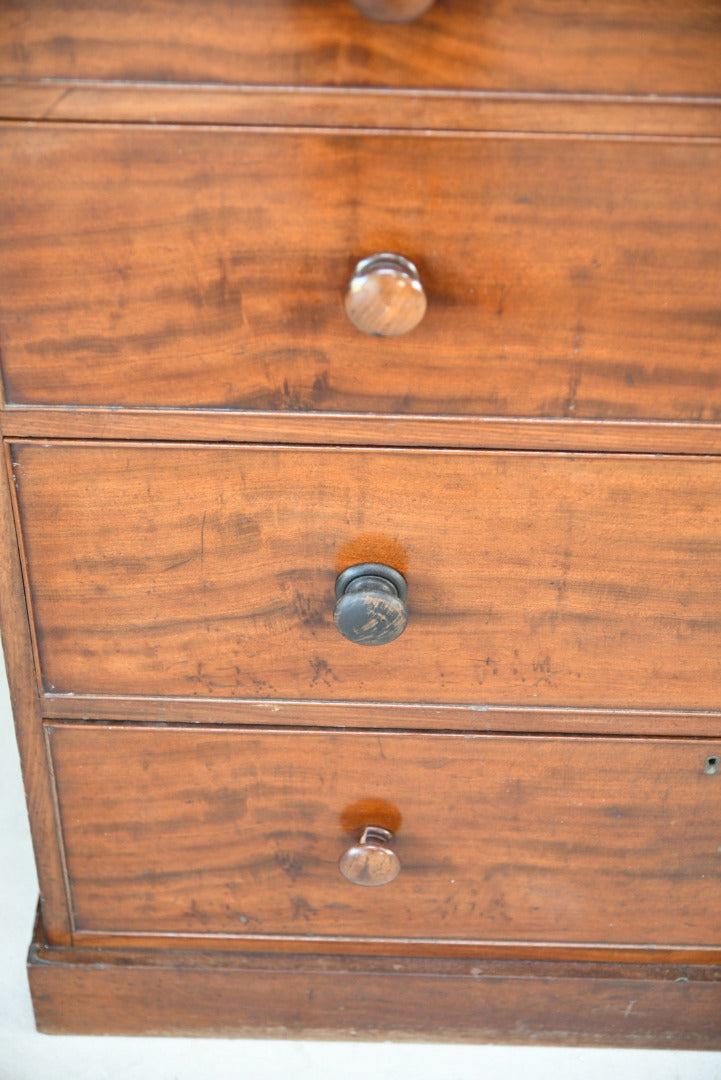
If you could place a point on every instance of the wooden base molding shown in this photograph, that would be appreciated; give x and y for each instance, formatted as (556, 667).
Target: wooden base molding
(144, 992)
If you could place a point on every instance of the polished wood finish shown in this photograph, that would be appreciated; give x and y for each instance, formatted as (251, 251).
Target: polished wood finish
(621, 47)
(172, 831)
(126, 992)
(399, 715)
(385, 296)
(552, 291)
(27, 713)
(362, 107)
(198, 442)
(444, 432)
(534, 580)
(371, 862)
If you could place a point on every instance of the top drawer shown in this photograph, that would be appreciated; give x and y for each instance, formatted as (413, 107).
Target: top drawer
(207, 268)
(634, 46)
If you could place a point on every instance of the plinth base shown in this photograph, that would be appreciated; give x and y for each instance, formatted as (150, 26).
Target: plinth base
(167, 992)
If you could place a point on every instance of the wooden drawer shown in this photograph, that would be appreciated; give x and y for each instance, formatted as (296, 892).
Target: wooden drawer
(578, 581)
(622, 48)
(207, 269)
(500, 839)
(187, 189)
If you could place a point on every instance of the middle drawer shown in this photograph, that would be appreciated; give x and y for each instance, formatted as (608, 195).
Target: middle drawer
(534, 579)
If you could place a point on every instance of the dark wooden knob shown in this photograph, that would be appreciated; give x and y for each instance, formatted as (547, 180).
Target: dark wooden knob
(392, 10)
(371, 607)
(385, 296)
(371, 861)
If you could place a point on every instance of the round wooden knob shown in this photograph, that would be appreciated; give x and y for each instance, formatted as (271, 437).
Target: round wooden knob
(371, 607)
(392, 10)
(371, 861)
(385, 296)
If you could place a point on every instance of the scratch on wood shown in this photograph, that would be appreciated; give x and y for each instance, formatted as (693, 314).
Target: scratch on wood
(54, 104)
(174, 566)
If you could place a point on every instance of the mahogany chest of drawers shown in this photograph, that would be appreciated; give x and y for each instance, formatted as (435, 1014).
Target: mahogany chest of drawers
(361, 374)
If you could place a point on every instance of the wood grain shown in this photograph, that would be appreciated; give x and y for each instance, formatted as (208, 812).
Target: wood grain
(419, 109)
(400, 716)
(309, 944)
(206, 268)
(369, 429)
(180, 220)
(237, 833)
(127, 992)
(25, 701)
(602, 46)
(552, 580)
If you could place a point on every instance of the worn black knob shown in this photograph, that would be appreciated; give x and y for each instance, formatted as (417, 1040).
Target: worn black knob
(371, 607)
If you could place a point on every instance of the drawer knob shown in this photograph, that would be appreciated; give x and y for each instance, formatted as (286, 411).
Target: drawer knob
(385, 296)
(371, 861)
(371, 608)
(392, 10)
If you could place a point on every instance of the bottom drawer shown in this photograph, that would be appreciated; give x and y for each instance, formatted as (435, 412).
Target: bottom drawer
(238, 833)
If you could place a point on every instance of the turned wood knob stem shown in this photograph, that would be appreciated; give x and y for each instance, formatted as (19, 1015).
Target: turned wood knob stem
(371, 607)
(392, 10)
(371, 861)
(385, 295)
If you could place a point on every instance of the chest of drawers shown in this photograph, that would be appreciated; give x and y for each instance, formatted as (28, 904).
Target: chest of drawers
(322, 330)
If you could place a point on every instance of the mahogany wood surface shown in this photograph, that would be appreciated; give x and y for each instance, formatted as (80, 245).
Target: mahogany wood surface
(419, 109)
(22, 682)
(207, 268)
(369, 429)
(500, 838)
(197, 442)
(534, 579)
(309, 944)
(398, 715)
(385, 296)
(126, 992)
(601, 46)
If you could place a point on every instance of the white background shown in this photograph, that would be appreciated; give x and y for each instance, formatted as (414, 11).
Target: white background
(26, 1055)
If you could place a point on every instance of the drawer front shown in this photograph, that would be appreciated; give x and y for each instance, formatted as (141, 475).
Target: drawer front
(533, 579)
(461, 44)
(199, 268)
(499, 838)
